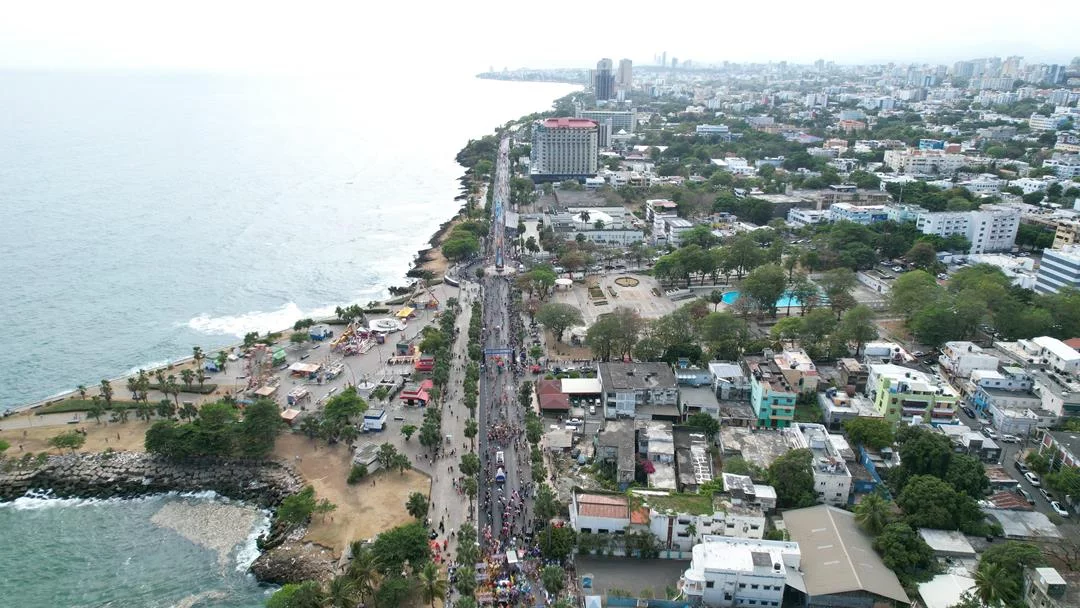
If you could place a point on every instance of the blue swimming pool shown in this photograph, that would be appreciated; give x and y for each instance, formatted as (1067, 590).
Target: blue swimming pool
(785, 300)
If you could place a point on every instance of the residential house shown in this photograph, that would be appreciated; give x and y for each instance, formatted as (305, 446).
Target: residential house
(615, 446)
(598, 513)
(771, 396)
(1048, 588)
(639, 390)
(832, 480)
(838, 407)
(1061, 447)
(968, 441)
(693, 458)
(1061, 358)
(962, 358)
(678, 521)
(798, 369)
(901, 394)
(852, 374)
(727, 572)
(742, 490)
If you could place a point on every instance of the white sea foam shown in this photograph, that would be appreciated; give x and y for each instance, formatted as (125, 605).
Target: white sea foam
(147, 366)
(37, 499)
(262, 322)
(220, 526)
(249, 551)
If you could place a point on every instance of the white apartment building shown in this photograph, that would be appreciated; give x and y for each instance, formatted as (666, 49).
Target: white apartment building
(865, 214)
(1065, 166)
(984, 184)
(928, 162)
(1038, 122)
(672, 230)
(1059, 268)
(832, 479)
(564, 148)
(961, 358)
(1030, 184)
(799, 217)
(1060, 356)
(677, 533)
(727, 572)
(989, 228)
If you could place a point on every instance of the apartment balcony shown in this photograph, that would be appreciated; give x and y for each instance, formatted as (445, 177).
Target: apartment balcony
(692, 586)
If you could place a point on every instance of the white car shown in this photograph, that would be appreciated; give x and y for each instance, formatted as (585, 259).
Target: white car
(1010, 439)
(1060, 510)
(1032, 478)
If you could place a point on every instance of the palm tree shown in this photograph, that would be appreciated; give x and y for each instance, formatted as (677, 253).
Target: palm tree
(993, 586)
(341, 593)
(81, 389)
(222, 359)
(872, 513)
(119, 412)
(432, 585)
(363, 570)
(584, 216)
(133, 387)
(107, 392)
(172, 388)
(715, 297)
(471, 429)
(197, 355)
(159, 375)
(691, 529)
(189, 411)
(97, 409)
(200, 376)
(188, 376)
(144, 411)
(401, 463)
(165, 408)
(417, 505)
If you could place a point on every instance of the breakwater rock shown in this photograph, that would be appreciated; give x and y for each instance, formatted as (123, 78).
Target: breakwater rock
(294, 562)
(131, 474)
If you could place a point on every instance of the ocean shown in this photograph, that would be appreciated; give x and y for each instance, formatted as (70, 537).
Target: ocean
(145, 213)
(146, 552)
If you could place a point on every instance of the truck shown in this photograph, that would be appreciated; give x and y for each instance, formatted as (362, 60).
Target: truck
(500, 475)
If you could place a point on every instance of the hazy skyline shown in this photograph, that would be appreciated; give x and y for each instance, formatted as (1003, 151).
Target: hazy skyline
(248, 35)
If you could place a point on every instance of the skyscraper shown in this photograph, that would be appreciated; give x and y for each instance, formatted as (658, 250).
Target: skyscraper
(604, 80)
(625, 80)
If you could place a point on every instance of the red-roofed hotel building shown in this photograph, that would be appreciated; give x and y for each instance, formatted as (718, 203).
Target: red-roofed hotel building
(563, 148)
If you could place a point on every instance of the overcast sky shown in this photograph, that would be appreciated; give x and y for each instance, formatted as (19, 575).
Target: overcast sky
(271, 35)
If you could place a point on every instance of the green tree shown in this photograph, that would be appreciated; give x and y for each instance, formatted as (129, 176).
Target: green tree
(1006, 562)
(260, 427)
(993, 587)
(1065, 480)
(765, 285)
(790, 474)
(1040, 463)
(107, 393)
(470, 464)
(385, 455)
(69, 440)
(929, 502)
(805, 291)
(432, 584)
(401, 462)
(708, 425)
(553, 579)
(97, 409)
(363, 570)
(393, 592)
(857, 325)
(546, 506)
(737, 465)
(558, 317)
(904, 552)
(308, 594)
(924, 452)
(296, 509)
(614, 334)
(471, 429)
(873, 513)
(407, 430)
(341, 593)
(557, 542)
(967, 475)
(417, 505)
(324, 507)
(299, 337)
(394, 547)
(922, 255)
(345, 405)
(912, 291)
(874, 433)
(188, 376)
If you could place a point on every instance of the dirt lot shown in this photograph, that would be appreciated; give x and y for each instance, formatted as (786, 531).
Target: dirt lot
(363, 510)
(127, 436)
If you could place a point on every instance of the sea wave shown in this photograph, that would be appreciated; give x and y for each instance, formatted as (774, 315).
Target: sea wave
(259, 321)
(40, 499)
(147, 366)
(249, 551)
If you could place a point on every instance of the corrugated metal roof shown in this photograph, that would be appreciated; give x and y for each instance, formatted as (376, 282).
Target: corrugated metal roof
(837, 556)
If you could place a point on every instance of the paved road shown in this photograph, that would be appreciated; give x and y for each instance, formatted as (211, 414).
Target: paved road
(505, 507)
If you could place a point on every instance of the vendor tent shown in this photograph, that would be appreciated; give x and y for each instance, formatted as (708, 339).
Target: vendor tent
(289, 416)
(266, 391)
(279, 356)
(404, 312)
(302, 369)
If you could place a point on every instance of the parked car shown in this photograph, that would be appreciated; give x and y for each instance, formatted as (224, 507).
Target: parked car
(967, 410)
(592, 410)
(989, 432)
(1060, 510)
(1046, 494)
(1010, 439)
(1027, 495)
(1032, 478)
(1020, 466)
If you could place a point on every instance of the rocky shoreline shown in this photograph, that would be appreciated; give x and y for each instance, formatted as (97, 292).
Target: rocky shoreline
(130, 475)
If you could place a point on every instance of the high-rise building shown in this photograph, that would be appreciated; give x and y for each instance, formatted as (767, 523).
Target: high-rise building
(564, 148)
(625, 79)
(663, 59)
(604, 80)
(674, 62)
(1059, 268)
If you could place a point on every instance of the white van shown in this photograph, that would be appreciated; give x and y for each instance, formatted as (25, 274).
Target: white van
(500, 458)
